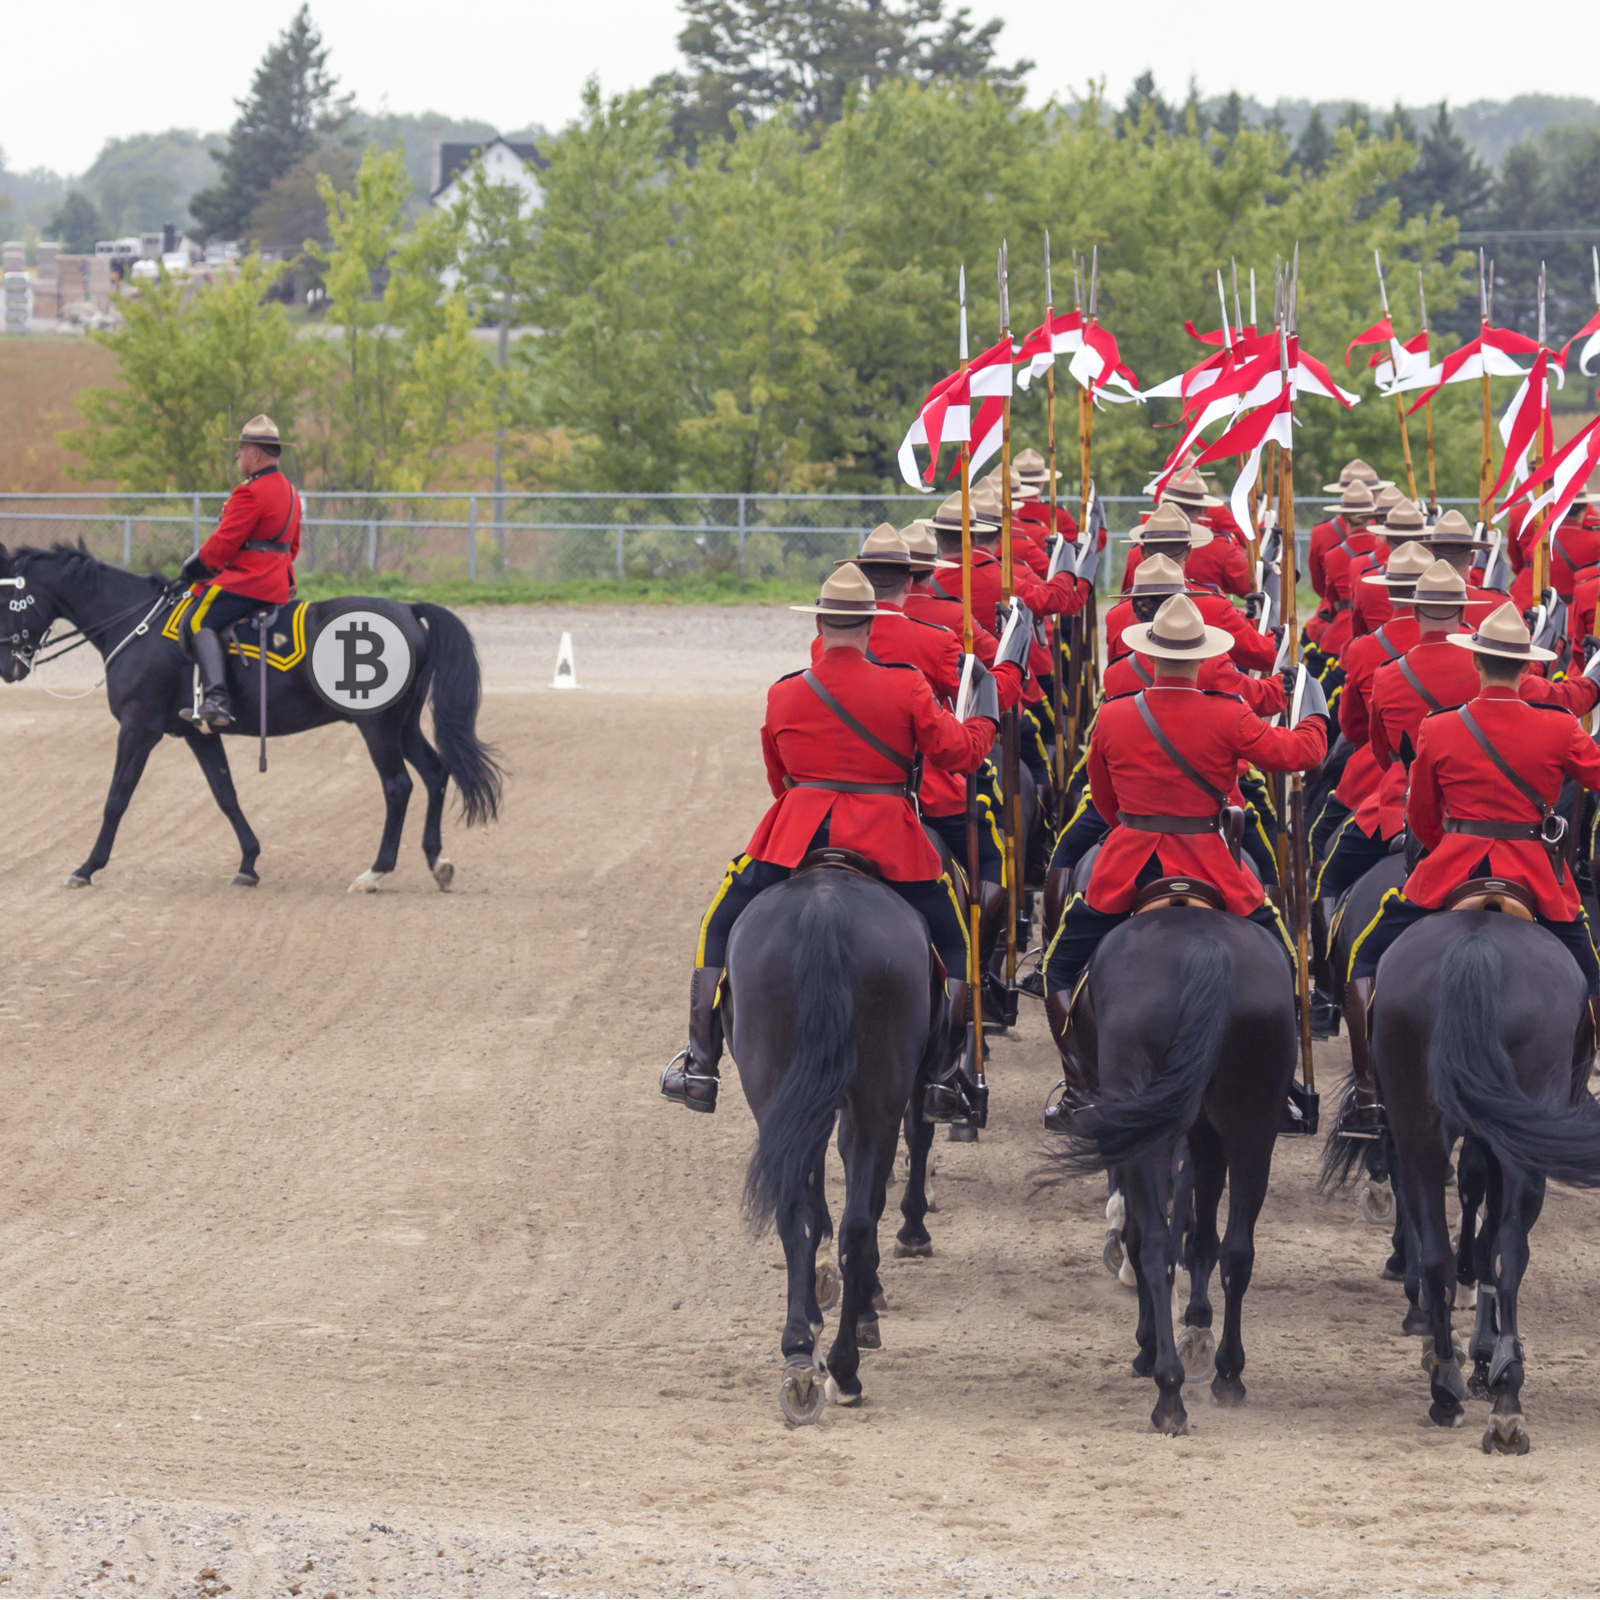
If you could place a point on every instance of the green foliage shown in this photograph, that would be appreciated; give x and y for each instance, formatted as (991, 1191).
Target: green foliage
(290, 110)
(143, 182)
(293, 209)
(704, 589)
(76, 224)
(190, 362)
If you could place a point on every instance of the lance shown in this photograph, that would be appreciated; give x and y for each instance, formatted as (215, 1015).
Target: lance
(1010, 735)
(1399, 404)
(1255, 488)
(974, 967)
(1427, 409)
(1090, 632)
(1297, 798)
(1238, 315)
(1541, 546)
(1062, 703)
(1486, 310)
(1280, 791)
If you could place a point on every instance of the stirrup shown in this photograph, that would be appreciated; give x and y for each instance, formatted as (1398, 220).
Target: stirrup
(679, 1090)
(1065, 1101)
(957, 1098)
(1358, 1120)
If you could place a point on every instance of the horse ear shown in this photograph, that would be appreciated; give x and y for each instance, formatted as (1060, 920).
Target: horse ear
(83, 547)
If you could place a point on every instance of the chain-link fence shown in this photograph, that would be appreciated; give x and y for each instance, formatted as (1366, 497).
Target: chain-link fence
(548, 538)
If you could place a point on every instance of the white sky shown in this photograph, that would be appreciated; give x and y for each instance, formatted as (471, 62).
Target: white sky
(182, 63)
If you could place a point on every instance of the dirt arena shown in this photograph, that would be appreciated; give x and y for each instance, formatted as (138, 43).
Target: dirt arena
(346, 1247)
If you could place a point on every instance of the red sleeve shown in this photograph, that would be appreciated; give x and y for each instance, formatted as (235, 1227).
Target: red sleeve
(1063, 595)
(1236, 571)
(948, 743)
(776, 771)
(1101, 789)
(1135, 556)
(1355, 720)
(1250, 649)
(238, 523)
(1319, 574)
(1577, 695)
(1377, 734)
(1270, 749)
(1425, 800)
(1264, 696)
(1582, 760)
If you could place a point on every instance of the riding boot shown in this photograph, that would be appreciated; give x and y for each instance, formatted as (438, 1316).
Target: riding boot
(215, 711)
(999, 1003)
(955, 1094)
(691, 1076)
(1324, 1008)
(1361, 1116)
(1071, 1095)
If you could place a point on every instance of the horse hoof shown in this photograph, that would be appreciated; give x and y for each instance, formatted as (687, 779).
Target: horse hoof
(1506, 1435)
(912, 1249)
(244, 880)
(1125, 1275)
(1416, 1320)
(444, 873)
(839, 1396)
(961, 1133)
(868, 1336)
(1466, 1297)
(1197, 1350)
(1174, 1424)
(929, 1204)
(1394, 1269)
(1113, 1255)
(801, 1396)
(1377, 1203)
(829, 1284)
(1450, 1416)
(76, 881)
(368, 882)
(1227, 1393)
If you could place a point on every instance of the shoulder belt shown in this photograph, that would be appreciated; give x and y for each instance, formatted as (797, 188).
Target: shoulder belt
(1385, 645)
(280, 545)
(1561, 550)
(1520, 784)
(1139, 672)
(1424, 693)
(1205, 786)
(860, 730)
(940, 590)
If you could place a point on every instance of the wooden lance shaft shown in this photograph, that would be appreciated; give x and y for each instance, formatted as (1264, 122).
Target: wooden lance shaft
(1486, 466)
(1297, 799)
(1061, 703)
(1010, 733)
(974, 970)
(1405, 447)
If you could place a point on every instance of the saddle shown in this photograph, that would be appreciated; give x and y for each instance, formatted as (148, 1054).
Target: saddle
(833, 856)
(1163, 892)
(247, 631)
(1490, 894)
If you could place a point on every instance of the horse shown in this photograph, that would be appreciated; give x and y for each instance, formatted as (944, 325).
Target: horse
(834, 1008)
(148, 679)
(1185, 1028)
(1480, 1028)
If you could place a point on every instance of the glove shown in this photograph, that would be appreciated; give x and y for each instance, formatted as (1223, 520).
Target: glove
(1061, 551)
(1289, 675)
(1592, 671)
(985, 695)
(1016, 634)
(193, 570)
(1253, 604)
(1090, 565)
(1308, 700)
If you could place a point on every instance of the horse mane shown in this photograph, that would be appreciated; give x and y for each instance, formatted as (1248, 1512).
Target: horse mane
(77, 561)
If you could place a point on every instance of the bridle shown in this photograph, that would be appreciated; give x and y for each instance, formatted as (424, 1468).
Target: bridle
(20, 639)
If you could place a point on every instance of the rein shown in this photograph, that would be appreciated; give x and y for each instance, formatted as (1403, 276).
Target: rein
(19, 646)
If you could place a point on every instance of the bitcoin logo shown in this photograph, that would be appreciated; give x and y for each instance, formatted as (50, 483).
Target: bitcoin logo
(362, 659)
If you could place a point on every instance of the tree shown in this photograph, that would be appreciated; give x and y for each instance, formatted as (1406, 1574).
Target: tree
(747, 58)
(1145, 101)
(293, 210)
(290, 110)
(144, 181)
(1314, 148)
(189, 362)
(1446, 174)
(76, 224)
(1230, 119)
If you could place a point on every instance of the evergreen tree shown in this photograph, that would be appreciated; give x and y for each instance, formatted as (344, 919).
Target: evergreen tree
(1400, 121)
(1144, 95)
(1314, 148)
(76, 224)
(1230, 119)
(291, 109)
(1447, 174)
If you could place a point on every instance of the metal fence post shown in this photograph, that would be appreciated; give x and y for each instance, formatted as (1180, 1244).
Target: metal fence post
(741, 536)
(196, 550)
(127, 541)
(472, 538)
(372, 544)
(619, 556)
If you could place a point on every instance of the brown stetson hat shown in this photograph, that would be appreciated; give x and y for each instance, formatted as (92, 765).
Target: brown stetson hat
(1407, 563)
(1190, 491)
(885, 546)
(1178, 633)
(1168, 524)
(947, 518)
(1440, 585)
(1503, 633)
(259, 430)
(1454, 530)
(1389, 497)
(1357, 471)
(1030, 465)
(846, 595)
(1404, 520)
(1357, 500)
(923, 547)
(1158, 575)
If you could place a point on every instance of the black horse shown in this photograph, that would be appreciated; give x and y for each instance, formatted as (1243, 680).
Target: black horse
(1185, 1029)
(148, 680)
(835, 1007)
(1480, 1027)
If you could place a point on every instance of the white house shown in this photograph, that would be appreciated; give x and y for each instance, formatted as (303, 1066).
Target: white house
(513, 164)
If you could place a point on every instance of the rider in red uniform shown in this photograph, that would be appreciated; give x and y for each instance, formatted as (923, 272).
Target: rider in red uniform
(245, 566)
(840, 742)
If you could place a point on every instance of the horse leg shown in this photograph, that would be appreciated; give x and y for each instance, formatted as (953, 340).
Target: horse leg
(1248, 1172)
(135, 741)
(1144, 1362)
(869, 1159)
(1208, 1161)
(913, 1238)
(1486, 1326)
(1146, 1191)
(435, 780)
(1422, 1176)
(1522, 1201)
(383, 745)
(1472, 1180)
(1416, 1318)
(213, 758)
(821, 1228)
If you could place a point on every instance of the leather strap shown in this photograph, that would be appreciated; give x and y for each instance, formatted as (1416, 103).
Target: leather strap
(865, 734)
(1483, 829)
(1147, 679)
(1521, 785)
(1423, 692)
(1166, 824)
(842, 786)
(1208, 789)
(1561, 550)
(280, 545)
(1386, 645)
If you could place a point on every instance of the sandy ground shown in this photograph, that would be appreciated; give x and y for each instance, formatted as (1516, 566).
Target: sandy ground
(346, 1247)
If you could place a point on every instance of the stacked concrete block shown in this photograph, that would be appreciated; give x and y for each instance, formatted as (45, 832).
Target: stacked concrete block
(18, 296)
(13, 256)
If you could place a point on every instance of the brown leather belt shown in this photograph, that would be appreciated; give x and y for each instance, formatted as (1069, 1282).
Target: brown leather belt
(1169, 824)
(842, 786)
(1494, 830)
(268, 547)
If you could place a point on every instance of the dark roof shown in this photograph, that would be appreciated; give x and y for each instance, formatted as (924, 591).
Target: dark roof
(453, 157)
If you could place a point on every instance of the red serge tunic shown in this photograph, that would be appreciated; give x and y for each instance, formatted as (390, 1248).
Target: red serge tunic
(1453, 777)
(1324, 537)
(1361, 660)
(1251, 650)
(1130, 773)
(263, 507)
(802, 740)
(1574, 545)
(1220, 565)
(1128, 674)
(901, 641)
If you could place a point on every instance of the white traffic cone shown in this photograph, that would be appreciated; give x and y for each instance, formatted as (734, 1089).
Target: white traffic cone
(566, 668)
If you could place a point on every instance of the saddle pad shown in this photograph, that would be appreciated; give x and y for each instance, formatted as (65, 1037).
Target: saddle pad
(285, 649)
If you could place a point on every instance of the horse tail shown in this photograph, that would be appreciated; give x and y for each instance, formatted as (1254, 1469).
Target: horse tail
(1126, 1124)
(822, 1060)
(457, 688)
(1474, 1084)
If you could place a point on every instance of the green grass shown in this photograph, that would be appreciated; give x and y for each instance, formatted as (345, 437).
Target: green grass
(721, 589)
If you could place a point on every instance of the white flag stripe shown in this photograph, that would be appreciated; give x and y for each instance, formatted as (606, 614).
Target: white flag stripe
(1281, 431)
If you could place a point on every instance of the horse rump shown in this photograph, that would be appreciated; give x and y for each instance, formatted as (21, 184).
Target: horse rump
(457, 689)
